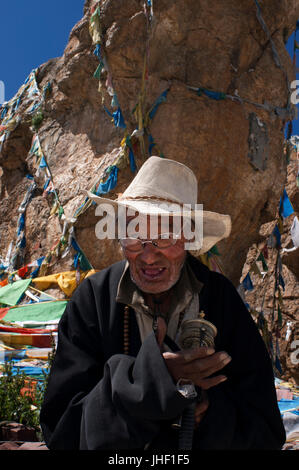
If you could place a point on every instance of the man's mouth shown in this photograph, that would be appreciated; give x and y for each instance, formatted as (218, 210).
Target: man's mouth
(153, 273)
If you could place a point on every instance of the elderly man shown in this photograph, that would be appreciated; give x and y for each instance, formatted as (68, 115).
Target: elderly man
(121, 378)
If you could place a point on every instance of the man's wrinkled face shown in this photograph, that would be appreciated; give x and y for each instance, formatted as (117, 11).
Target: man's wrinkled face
(152, 269)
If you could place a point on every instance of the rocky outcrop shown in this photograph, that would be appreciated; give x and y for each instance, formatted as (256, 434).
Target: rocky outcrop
(266, 296)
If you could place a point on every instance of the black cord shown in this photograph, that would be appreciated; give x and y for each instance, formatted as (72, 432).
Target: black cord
(187, 427)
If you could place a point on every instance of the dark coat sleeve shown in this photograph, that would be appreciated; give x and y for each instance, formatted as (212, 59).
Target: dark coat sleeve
(93, 404)
(243, 411)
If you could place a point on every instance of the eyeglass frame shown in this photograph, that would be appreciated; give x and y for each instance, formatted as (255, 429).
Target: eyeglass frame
(143, 242)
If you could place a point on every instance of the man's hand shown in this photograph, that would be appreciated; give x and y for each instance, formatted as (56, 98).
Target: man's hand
(197, 365)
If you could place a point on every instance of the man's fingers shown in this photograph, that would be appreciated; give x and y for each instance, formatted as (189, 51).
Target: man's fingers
(190, 355)
(205, 384)
(202, 368)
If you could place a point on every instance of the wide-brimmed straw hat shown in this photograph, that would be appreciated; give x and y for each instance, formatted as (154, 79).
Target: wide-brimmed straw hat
(167, 187)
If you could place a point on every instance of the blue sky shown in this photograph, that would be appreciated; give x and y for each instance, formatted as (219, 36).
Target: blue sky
(34, 31)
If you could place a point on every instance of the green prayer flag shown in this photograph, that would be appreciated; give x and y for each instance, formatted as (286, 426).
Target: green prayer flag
(37, 312)
(98, 71)
(11, 293)
(214, 250)
(262, 259)
(84, 263)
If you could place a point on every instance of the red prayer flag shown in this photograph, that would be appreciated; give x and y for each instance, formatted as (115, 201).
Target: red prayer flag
(23, 271)
(3, 312)
(265, 251)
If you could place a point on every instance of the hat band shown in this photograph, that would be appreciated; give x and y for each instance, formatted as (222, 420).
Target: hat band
(150, 198)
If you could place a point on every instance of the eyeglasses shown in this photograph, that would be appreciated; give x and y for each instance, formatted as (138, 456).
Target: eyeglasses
(165, 240)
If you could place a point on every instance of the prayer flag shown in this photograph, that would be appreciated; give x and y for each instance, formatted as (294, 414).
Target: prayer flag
(132, 161)
(157, 103)
(38, 312)
(23, 271)
(285, 206)
(43, 163)
(110, 183)
(11, 293)
(281, 281)
(247, 283)
(215, 95)
(262, 259)
(276, 233)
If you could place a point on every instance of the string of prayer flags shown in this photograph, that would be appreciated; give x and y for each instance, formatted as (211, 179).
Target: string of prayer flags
(266, 30)
(285, 206)
(21, 239)
(101, 66)
(42, 165)
(95, 25)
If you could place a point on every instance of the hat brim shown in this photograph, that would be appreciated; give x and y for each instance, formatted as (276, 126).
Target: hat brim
(215, 226)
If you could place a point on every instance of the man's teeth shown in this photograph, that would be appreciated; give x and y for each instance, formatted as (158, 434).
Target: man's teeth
(153, 270)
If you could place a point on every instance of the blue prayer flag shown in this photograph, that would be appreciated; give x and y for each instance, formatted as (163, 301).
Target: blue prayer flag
(157, 103)
(285, 206)
(276, 233)
(21, 223)
(43, 163)
(247, 283)
(281, 281)
(132, 161)
(110, 183)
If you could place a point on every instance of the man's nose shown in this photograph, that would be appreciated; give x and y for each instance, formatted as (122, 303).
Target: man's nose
(150, 253)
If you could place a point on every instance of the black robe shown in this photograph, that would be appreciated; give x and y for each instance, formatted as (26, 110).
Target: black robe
(99, 398)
